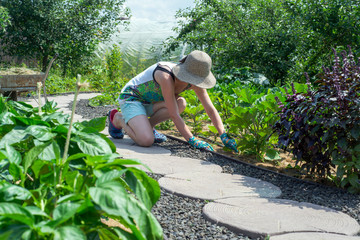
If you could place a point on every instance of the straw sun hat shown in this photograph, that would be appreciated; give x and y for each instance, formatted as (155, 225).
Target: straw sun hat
(196, 70)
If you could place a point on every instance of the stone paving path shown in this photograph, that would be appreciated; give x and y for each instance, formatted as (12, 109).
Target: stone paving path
(243, 204)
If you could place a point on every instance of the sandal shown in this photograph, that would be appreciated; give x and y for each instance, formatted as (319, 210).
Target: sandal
(114, 131)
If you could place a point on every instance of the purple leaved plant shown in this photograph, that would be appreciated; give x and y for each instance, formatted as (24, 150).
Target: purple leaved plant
(321, 127)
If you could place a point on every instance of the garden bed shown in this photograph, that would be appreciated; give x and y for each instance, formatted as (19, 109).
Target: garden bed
(181, 218)
(15, 80)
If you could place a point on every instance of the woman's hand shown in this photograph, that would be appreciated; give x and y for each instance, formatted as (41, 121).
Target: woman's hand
(229, 142)
(199, 144)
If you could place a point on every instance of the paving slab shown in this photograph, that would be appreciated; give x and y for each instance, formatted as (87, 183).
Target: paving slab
(162, 164)
(63, 102)
(128, 148)
(212, 185)
(259, 217)
(158, 159)
(313, 236)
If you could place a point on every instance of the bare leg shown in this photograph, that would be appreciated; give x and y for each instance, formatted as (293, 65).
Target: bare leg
(138, 129)
(161, 113)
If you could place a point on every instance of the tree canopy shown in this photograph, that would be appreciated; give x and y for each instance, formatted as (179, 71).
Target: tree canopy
(4, 18)
(72, 28)
(279, 38)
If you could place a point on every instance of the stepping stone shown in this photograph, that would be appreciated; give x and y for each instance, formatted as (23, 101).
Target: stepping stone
(158, 159)
(162, 164)
(313, 236)
(128, 148)
(211, 185)
(259, 217)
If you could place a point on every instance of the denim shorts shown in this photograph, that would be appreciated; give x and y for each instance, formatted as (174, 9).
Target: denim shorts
(133, 109)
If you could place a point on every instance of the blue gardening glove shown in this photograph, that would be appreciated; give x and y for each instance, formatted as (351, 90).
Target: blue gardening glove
(199, 144)
(228, 142)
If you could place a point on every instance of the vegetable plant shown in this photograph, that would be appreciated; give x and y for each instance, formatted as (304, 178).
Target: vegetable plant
(252, 122)
(194, 111)
(49, 191)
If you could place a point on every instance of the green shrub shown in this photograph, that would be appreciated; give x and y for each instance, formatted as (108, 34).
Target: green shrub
(114, 63)
(322, 126)
(251, 121)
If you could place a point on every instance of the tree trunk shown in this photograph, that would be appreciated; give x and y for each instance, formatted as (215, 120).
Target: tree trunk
(44, 63)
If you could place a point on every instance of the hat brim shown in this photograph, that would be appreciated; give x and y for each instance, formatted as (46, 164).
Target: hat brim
(203, 82)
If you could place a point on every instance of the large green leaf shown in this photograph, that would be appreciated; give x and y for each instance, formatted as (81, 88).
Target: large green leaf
(16, 171)
(27, 121)
(56, 117)
(145, 188)
(74, 180)
(69, 232)
(61, 129)
(14, 136)
(109, 234)
(33, 154)
(16, 212)
(41, 133)
(9, 192)
(115, 201)
(122, 234)
(14, 231)
(97, 123)
(97, 160)
(3, 104)
(70, 197)
(22, 107)
(110, 176)
(63, 212)
(112, 198)
(5, 129)
(12, 155)
(36, 211)
(110, 143)
(91, 144)
(120, 163)
(37, 166)
(6, 118)
(51, 152)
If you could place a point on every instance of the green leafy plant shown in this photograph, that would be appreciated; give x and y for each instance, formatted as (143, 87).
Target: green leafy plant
(257, 34)
(4, 18)
(194, 112)
(166, 125)
(61, 180)
(322, 126)
(108, 78)
(114, 63)
(76, 29)
(280, 39)
(252, 122)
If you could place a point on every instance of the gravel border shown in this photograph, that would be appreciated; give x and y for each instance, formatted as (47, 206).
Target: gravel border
(181, 218)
